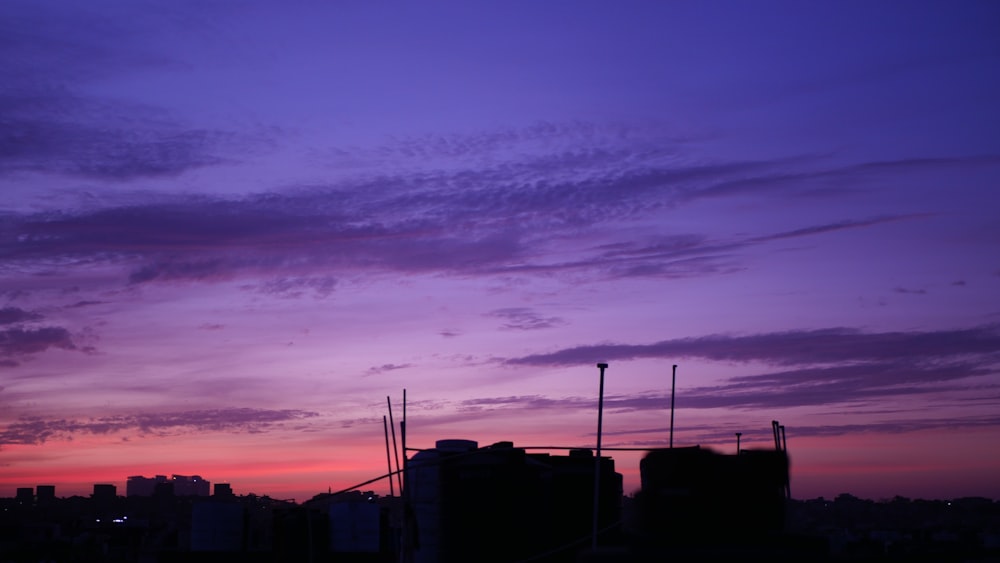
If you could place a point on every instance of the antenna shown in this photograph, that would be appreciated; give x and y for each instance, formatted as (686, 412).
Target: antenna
(673, 386)
(399, 476)
(788, 477)
(388, 458)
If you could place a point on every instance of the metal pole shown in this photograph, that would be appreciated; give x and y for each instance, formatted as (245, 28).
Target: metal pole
(388, 458)
(673, 386)
(788, 477)
(738, 434)
(404, 535)
(399, 476)
(597, 458)
(402, 437)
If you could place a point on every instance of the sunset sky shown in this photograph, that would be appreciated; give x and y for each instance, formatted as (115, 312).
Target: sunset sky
(229, 229)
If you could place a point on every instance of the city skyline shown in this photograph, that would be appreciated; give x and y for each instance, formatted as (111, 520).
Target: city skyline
(229, 230)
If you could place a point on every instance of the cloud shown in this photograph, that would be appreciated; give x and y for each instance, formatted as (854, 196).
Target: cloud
(816, 386)
(19, 343)
(909, 291)
(54, 130)
(838, 226)
(38, 430)
(46, 144)
(293, 288)
(522, 318)
(825, 181)
(528, 402)
(723, 434)
(202, 270)
(508, 214)
(85, 303)
(378, 370)
(14, 315)
(51, 126)
(849, 387)
(821, 346)
(828, 366)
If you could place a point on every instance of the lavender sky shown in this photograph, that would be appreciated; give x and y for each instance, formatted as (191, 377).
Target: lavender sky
(229, 229)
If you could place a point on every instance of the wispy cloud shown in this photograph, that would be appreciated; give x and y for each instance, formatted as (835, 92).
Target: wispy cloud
(19, 344)
(13, 315)
(37, 430)
(723, 433)
(51, 126)
(512, 214)
(293, 288)
(829, 366)
(523, 318)
(377, 370)
(838, 226)
(821, 346)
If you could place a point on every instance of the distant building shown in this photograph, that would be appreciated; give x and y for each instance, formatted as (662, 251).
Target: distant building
(25, 495)
(104, 492)
(181, 485)
(217, 526)
(45, 493)
(139, 486)
(193, 486)
(224, 490)
(355, 526)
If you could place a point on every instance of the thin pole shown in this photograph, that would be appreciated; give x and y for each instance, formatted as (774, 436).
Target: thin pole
(388, 458)
(399, 476)
(597, 458)
(404, 550)
(738, 434)
(673, 387)
(402, 435)
(788, 477)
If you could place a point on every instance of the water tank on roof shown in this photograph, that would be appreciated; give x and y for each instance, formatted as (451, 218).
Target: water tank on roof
(456, 445)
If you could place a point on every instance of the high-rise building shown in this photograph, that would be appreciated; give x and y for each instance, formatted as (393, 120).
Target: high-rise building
(224, 490)
(104, 492)
(139, 486)
(45, 493)
(190, 486)
(25, 495)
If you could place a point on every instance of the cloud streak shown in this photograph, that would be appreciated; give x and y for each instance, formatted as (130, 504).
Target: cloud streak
(796, 347)
(827, 366)
(523, 318)
(13, 315)
(19, 344)
(38, 430)
(206, 239)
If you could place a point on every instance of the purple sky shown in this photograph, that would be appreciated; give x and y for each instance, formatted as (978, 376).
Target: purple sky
(229, 229)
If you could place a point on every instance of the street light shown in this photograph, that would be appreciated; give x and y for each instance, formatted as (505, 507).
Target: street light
(597, 459)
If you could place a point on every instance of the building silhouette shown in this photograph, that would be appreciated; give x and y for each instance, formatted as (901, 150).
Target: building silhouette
(503, 501)
(180, 485)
